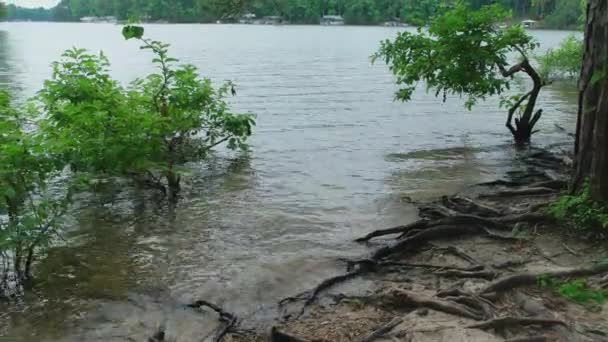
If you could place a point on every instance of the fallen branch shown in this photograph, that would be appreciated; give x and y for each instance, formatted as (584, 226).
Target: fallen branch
(230, 320)
(504, 322)
(527, 279)
(383, 330)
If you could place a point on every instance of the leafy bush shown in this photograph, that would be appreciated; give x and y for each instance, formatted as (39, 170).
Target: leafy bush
(146, 131)
(563, 62)
(581, 211)
(29, 212)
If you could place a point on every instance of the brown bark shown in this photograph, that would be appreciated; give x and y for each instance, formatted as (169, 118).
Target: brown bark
(591, 146)
(524, 125)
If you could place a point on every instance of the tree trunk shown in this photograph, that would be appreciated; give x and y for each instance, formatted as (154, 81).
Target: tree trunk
(524, 125)
(173, 183)
(591, 147)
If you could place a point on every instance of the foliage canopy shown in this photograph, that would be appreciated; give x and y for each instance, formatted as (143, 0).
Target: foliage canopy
(462, 53)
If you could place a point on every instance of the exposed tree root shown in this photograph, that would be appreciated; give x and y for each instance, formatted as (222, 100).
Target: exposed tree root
(527, 217)
(435, 211)
(455, 251)
(230, 320)
(468, 206)
(407, 298)
(502, 182)
(436, 268)
(395, 230)
(520, 192)
(310, 296)
(539, 338)
(488, 275)
(506, 322)
(527, 279)
(277, 336)
(439, 232)
(501, 222)
(383, 330)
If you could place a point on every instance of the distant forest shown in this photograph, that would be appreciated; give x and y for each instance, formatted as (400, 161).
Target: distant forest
(552, 13)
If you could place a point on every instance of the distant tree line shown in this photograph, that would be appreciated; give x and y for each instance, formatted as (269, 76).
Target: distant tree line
(554, 13)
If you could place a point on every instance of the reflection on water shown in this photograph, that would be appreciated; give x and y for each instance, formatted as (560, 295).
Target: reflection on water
(332, 158)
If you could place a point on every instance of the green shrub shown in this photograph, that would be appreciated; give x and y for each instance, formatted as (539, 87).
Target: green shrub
(30, 212)
(146, 131)
(563, 62)
(581, 211)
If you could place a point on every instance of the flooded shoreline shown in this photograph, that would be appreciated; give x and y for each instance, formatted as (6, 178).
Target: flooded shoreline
(333, 158)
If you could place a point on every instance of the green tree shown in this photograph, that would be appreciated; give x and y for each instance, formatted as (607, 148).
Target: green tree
(464, 54)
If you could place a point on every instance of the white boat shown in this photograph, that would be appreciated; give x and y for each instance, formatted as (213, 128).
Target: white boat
(332, 20)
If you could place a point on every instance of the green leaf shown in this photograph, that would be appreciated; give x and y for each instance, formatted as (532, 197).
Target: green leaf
(132, 32)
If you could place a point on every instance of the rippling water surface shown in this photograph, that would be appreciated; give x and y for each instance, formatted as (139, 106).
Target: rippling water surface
(332, 158)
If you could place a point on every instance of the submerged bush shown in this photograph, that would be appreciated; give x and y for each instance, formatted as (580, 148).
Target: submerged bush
(146, 131)
(30, 213)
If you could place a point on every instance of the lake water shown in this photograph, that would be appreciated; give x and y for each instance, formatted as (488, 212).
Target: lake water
(333, 157)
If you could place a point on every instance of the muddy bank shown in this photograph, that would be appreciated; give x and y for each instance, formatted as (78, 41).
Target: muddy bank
(475, 267)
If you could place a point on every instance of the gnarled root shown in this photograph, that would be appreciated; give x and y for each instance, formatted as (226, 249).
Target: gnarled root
(439, 232)
(539, 338)
(521, 192)
(402, 297)
(527, 279)
(278, 336)
(505, 322)
(309, 297)
(230, 320)
(383, 330)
